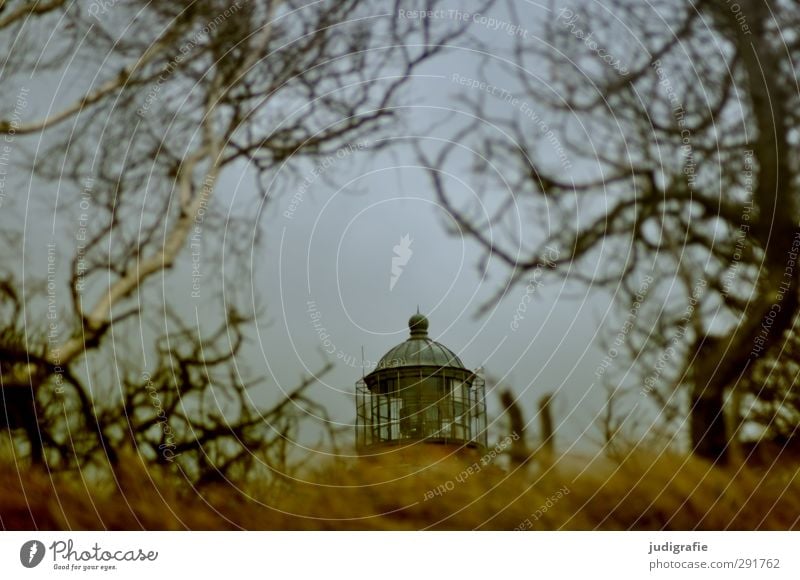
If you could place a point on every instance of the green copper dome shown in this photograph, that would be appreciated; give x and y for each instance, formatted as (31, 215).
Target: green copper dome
(419, 350)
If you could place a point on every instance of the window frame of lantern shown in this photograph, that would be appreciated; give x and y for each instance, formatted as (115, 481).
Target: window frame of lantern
(423, 402)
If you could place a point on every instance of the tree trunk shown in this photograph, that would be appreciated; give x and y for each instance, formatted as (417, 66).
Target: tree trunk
(18, 411)
(708, 426)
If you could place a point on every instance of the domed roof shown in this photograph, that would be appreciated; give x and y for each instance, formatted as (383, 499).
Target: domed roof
(419, 349)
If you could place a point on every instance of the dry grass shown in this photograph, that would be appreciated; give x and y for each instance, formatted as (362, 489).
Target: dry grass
(670, 492)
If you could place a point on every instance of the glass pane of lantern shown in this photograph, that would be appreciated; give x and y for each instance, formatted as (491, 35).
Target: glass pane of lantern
(460, 427)
(410, 421)
(395, 419)
(405, 422)
(431, 414)
(433, 385)
(383, 414)
(447, 430)
(446, 408)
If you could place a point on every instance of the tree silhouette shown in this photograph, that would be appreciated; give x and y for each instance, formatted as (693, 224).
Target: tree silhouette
(678, 165)
(167, 98)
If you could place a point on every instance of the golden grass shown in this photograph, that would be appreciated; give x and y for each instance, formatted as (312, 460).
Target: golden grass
(669, 492)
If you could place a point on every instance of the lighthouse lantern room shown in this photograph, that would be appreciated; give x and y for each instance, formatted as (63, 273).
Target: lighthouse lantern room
(420, 391)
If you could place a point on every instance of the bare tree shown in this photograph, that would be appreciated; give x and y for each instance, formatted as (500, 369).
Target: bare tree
(657, 142)
(171, 97)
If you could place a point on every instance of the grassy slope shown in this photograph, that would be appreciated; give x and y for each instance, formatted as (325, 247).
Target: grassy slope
(667, 493)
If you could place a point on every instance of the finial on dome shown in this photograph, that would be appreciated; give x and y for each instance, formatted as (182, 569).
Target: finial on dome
(418, 325)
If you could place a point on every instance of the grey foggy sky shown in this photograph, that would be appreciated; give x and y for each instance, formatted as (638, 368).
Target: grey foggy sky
(337, 247)
(336, 250)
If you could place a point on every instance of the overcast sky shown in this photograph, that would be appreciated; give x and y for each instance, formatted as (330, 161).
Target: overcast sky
(334, 248)
(328, 250)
